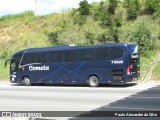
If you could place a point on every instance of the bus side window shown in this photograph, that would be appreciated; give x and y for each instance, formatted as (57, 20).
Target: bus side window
(55, 56)
(116, 52)
(28, 58)
(42, 57)
(87, 54)
(103, 54)
(70, 55)
(109, 53)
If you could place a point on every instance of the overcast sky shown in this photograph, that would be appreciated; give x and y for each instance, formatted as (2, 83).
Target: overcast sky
(44, 6)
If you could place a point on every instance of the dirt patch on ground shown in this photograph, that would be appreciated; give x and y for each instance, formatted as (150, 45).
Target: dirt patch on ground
(4, 36)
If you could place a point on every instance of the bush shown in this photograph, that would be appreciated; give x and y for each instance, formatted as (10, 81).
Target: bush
(152, 6)
(131, 14)
(103, 38)
(15, 16)
(156, 71)
(90, 37)
(84, 7)
(132, 8)
(112, 6)
(107, 21)
(4, 55)
(98, 10)
(79, 19)
(53, 38)
(141, 33)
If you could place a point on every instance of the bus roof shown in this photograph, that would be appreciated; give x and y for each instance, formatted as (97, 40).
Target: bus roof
(72, 47)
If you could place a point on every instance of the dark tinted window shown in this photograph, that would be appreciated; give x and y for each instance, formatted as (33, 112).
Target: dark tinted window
(116, 52)
(55, 56)
(109, 53)
(70, 55)
(18, 55)
(42, 57)
(103, 54)
(28, 58)
(86, 54)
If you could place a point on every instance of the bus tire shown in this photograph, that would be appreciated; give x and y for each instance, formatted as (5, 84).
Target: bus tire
(93, 81)
(26, 81)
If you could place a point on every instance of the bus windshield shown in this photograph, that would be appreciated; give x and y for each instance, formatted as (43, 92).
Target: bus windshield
(14, 65)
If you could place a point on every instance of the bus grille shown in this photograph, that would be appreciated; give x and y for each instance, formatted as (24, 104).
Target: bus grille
(117, 74)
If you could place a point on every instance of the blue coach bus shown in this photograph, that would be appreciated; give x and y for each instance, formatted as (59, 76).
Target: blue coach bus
(112, 63)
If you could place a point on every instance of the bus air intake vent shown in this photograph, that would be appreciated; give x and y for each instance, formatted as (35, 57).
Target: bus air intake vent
(117, 74)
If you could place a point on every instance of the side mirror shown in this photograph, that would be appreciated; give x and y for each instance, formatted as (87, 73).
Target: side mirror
(10, 60)
(7, 62)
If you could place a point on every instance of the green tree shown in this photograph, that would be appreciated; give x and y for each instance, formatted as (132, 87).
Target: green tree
(90, 37)
(113, 23)
(132, 8)
(103, 38)
(137, 5)
(152, 6)
(118, 24)
(101, 7)
(53, 38)
(84, 7)
(112, 6)
(106, 20)
(100, 11)
(141, 33)
(79, 19)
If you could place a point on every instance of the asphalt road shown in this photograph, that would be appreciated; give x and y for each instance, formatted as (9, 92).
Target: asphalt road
(130, 97)
(145, 103)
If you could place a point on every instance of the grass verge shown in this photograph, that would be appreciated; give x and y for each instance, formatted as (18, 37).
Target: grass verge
(4, 71)
(156, 72)
(145, 63)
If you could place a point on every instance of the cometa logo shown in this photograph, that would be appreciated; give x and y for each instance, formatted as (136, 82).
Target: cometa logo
(33, 68)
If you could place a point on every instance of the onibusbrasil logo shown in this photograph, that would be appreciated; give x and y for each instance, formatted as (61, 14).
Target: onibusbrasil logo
(38, 68)
(21, 114)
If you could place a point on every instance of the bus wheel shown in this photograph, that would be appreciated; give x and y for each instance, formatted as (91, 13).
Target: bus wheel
(26, 81)
(93, 81)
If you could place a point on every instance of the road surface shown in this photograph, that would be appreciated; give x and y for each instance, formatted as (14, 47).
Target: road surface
(78, 98)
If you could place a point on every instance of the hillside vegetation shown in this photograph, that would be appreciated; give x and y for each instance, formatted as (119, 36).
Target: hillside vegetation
(156, 71)
(97, 23)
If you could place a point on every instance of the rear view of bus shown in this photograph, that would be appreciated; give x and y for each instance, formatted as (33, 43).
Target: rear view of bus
(133, 68)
